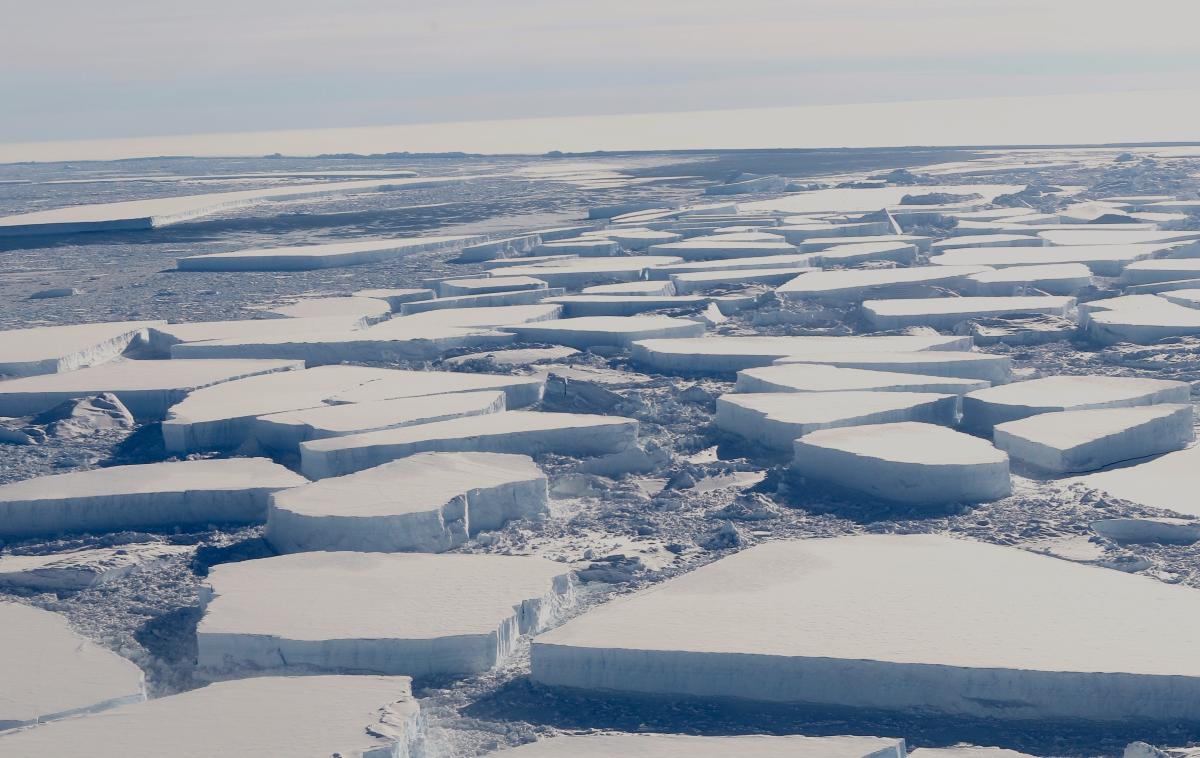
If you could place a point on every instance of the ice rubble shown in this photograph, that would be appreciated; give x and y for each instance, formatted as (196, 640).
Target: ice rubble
(524, 432)
(232, 490)
(146, 388)
(149, 214)
(856, 285)
(444, 614)
(684, 746)
(906, 462)
(429, 502)
(1053, 279)
(222, 416)
(988, 631)
(1086, 440)
(1167, 482)
(817, 377)
(984, 409)
(727, 355)
(622, 331)
(55, 349)
(1103, 260)
(49, 672)
(959, 364)
(286, 430)
(945, 312)
(79, 569)
(776, 419)
(349, 716)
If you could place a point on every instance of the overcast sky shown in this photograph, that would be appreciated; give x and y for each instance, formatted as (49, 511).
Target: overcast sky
(84, 69)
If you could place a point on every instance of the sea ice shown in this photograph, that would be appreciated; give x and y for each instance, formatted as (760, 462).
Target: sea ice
(1167, 482)
(322, 612)
(986, 240)
(488, 285)
(988, 631)
(487, 300)
(1103, 260)
(396, 297)
(367, 308)
(816, 244)
(312, 257)
(856, 285)
(776, 419)
(286, 430)
(816, 377)
(231, 490)
(711, 248)
(429, 502)
(165, 336)
(1115, 237)
(685, 746)
(79, 569)
(524, 432)
(1086, 440)
(960, 364)
(317, 716)
(1053, 279)
(946, 312)
(582, 306)
(55, 349)
(578, 273)
(585, 247)
(1169, 269)
(621, 331)
(50, 672)
(984, 409)
(905, 462)
(800, 262)
(847, 255)
(702, 281)
(146, 388)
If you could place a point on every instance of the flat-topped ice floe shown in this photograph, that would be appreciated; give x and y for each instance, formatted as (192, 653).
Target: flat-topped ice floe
(524, 432)
(1071, 441)
(727, 355)
(1167, 482)
(905, 462)
(1103, 260)
(816, 377)
(1053, 279)
(79, 569)
(984, 409)
(54, 349)
(846, 255)
(488, 285)
(710, 248)
(312, 257)
(361, 716)
(856, 285)
(49, 672)
(799, 262)
(586, 247)
(429, 502)
(164, 336)
(1115, 236)
(959, 364)
(816, 244)
(396, 297)
(150, 214)
(578, 273)
(776, 419)
(621, 331)
(285, 431)
(639, 239)
(1140, 319)
(580, 306)
(1151, 272)
(989, 631)
(223, 416)
(368, 308)
(703, 281)
(321, 612)
(966, 752)
(232, 490)
(685, 746)
(486, 300)
(147, 388)
(945, 312)
(987, 240)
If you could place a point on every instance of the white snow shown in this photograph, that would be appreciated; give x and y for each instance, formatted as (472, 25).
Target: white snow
(223, 416)
(370, 309)
(856, 285)
(986, 240)
(996, 369)
(429, 502)
(146, 388)
(1167, 482)
(1116, 236)
(578, 273)
(322, 612)
(317, 716)
(984, 409)
(797, 230)
(702, 281)
(981, 630)
(639, 239)
(149, 214)
(49, 672)
(587, 247)
(1170, 269)
(164, 336)
(685, 746)
(589, 331)
(1103, 260)
(816, 244)
(285, 431)
(906, 462)
(79, 569)
(504, 247)
(525, 432)
(710, 248)
(846, 255)
(1087, 440)
(776, 419)
(816, 377)
(490, 284)
(726, 355)
(54, 349)
(945, 312)
(313, 257)
(581, 306)
(1053, 279)
(395, 297)
(487, 300)
(1140, 530)
(232, 490)
(1140, 319)
(631, 288)
(966, 752)
(798, 261)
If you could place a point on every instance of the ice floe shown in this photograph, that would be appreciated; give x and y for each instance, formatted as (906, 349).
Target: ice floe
(984, 409)
(946, 312)
(817, 377)
(54, 349)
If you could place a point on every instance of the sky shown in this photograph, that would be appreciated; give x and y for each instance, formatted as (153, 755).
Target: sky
(81, 69)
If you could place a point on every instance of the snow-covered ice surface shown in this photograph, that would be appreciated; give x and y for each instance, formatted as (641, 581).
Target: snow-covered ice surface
(984, 409)
(298, 717)
(50, 672)
(51, 349)
(684, 746)
(308, 612)
(686, 493)
(818, 377)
